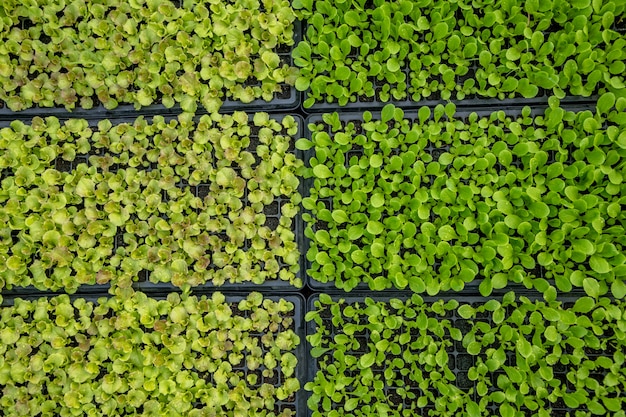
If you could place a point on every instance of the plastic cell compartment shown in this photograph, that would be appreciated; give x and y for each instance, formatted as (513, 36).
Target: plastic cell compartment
(411, 114)
(85, 291)
(286, 99)
(374, 103)
(8, 300)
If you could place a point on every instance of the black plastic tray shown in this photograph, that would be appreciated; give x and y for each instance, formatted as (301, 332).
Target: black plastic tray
(288, 99)
(346, 117)
(298, 404)
(473, 100)
(142, 282)
(460, 361)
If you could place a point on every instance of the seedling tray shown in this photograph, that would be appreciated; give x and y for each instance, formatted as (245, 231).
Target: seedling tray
(297, 402)
(287, 99)
(329, 103)
(459, 360)
(435, 152)
(142, 282)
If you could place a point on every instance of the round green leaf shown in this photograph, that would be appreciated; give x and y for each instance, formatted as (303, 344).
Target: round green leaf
(355, 232)
(447, 233)
(376, 161)
(393, 65)
(440, 30)
(342, 73)
(375, 227)
(351, 404)
(358, 256)
(340, 216)
(551, 334)
(605, 103)
(367, 360)
(580, 4)
(352, 18)
(583, 246)
(474, 348)
(14, 263)
(304, 144)
(378, 200)
(539, 209)
(499, 281)
(322, 171)
(302, 83)
(618, 289)
(378, 250)
(591, 287)
(466, 311)
(599, 265)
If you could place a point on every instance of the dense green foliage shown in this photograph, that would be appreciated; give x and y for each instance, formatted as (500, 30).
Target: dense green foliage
(178, 356)
(513, 357)
(80, 53)
(434, 200)
(425, 49)
(186, 201)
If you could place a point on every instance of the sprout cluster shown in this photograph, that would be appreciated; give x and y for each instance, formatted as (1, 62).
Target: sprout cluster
(433, 200)
(178, 356)
(140, 52)
(182, 201)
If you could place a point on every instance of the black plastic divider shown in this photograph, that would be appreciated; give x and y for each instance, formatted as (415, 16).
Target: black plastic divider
(477, 103)
(8, 300)
(411, 114)
(288, 99)
(95, 290)
(272, 212)
(460, 360)
(298, 403)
